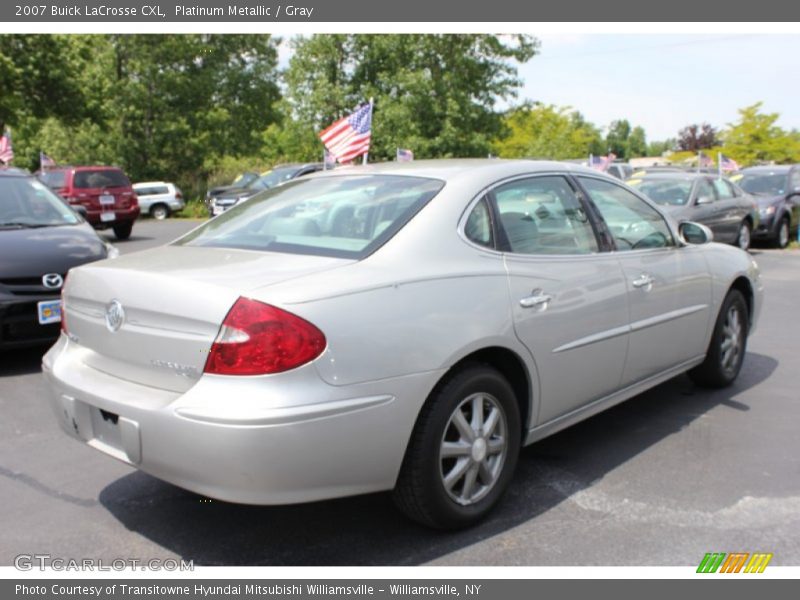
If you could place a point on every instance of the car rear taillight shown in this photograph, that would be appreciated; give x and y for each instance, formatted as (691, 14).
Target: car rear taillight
(178, 195)
(259, 339)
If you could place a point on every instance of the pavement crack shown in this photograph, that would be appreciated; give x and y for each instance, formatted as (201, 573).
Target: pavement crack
(37, 485)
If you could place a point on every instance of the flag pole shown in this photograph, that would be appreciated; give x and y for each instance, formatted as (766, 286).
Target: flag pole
(371, 103)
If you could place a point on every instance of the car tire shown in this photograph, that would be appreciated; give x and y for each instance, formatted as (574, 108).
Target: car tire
(782, 234)
(123, 230)
(159, 211)
(452, 477)
(745, 236)
(728, 344)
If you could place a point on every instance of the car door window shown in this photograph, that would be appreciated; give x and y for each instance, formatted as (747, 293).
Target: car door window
(724, 191)
(794, 181)
(704, 190)
(634, 224)
(543, 215)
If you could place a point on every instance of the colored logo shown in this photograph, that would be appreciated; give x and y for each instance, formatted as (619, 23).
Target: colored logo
(734, 562)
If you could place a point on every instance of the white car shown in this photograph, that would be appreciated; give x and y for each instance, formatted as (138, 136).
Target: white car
(158, 198)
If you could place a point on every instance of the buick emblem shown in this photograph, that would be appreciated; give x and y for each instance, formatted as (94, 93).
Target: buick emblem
(115, 315)
(52, 281)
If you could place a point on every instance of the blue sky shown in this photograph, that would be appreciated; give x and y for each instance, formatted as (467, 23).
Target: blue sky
(664, 82)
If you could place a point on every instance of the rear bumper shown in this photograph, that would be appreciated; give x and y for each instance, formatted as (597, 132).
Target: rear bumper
(120, 216)
(256, 440)
(19, 322)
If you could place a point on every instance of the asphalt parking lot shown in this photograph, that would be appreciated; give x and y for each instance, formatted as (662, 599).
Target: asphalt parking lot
(660, 480)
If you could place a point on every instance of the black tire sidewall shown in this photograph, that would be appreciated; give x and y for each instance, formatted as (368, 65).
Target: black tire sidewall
(446, 512)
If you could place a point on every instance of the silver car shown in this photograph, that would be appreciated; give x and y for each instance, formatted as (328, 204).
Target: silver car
(404, 326)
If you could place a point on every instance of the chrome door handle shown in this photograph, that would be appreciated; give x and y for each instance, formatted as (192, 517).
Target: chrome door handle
(538, 299)
(643, 281)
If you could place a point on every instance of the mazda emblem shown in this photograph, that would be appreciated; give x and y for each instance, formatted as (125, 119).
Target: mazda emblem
(115, 315)
(52, 281)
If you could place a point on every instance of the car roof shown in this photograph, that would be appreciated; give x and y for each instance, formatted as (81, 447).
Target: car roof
(490, 169)
(145, 183)
(13, 172)
(682, 175)
(768, 169)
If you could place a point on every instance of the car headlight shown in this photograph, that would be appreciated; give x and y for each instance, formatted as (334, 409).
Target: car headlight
(769, 211)
(111, 251)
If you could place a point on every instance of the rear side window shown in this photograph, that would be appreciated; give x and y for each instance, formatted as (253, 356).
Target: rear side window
(100, 178)
(345, 216)
(152, 190)
(478, 227)
(724, 191)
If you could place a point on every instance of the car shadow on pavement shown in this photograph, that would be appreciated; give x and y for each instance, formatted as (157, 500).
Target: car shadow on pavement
(367, 530)
(22, 362)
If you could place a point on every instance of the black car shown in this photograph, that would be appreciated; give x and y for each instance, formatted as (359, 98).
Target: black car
(41, 238)
(241, 181)
(231, 196)
(777, 192)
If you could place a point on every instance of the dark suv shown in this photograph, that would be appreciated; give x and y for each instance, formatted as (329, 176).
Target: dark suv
(105, 193)
(776, 188)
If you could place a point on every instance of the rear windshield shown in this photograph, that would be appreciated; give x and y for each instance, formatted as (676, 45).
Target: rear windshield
(667, 192)
(346, 216)
(100, 178)
(53, 179)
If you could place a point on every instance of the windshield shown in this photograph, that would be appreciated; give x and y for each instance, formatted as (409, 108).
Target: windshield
(272, 178)
(245, 179)
(101, 178)
(346, 216)
(26, 202)
(667, 192)
(773, 184)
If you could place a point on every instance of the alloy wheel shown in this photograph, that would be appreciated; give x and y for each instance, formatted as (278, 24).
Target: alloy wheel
(732, 339)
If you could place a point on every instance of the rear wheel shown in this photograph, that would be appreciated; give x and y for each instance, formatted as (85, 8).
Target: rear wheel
(782, 237)
(123, 230)
(159, 211)
(745, 235)
(728, 344)
(463, 451)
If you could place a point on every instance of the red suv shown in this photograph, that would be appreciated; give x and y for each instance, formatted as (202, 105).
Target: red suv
(105, 193)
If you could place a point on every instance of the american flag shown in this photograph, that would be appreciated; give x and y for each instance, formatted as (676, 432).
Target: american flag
(404, 155)
(45, 162)
(601, 163)
(350, 136)
(727, 164)
(704, 160)
(6, 151)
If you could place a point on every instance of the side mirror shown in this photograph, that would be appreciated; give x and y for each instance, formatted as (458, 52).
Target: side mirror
(704, 200)
(695, 234)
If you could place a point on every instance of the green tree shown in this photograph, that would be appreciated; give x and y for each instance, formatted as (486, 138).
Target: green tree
(617, 137)
(755, 138)
(547, 131)
(658, 148)
(637, 143)
(435, 94)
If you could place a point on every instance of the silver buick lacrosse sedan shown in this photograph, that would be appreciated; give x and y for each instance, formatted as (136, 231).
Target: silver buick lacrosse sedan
(404, 326)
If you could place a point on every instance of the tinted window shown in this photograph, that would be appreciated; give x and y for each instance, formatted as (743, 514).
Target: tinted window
(274, 177)
(28, 202)
(668, 192)
(633, 223)
(346, 216)
(479, 225)
(100, 179)
(794, 180)
(543, 215)
(151, 191)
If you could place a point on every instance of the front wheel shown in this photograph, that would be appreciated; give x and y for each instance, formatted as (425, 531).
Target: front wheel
(463, 451)
(728, 344)
(782, 237)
